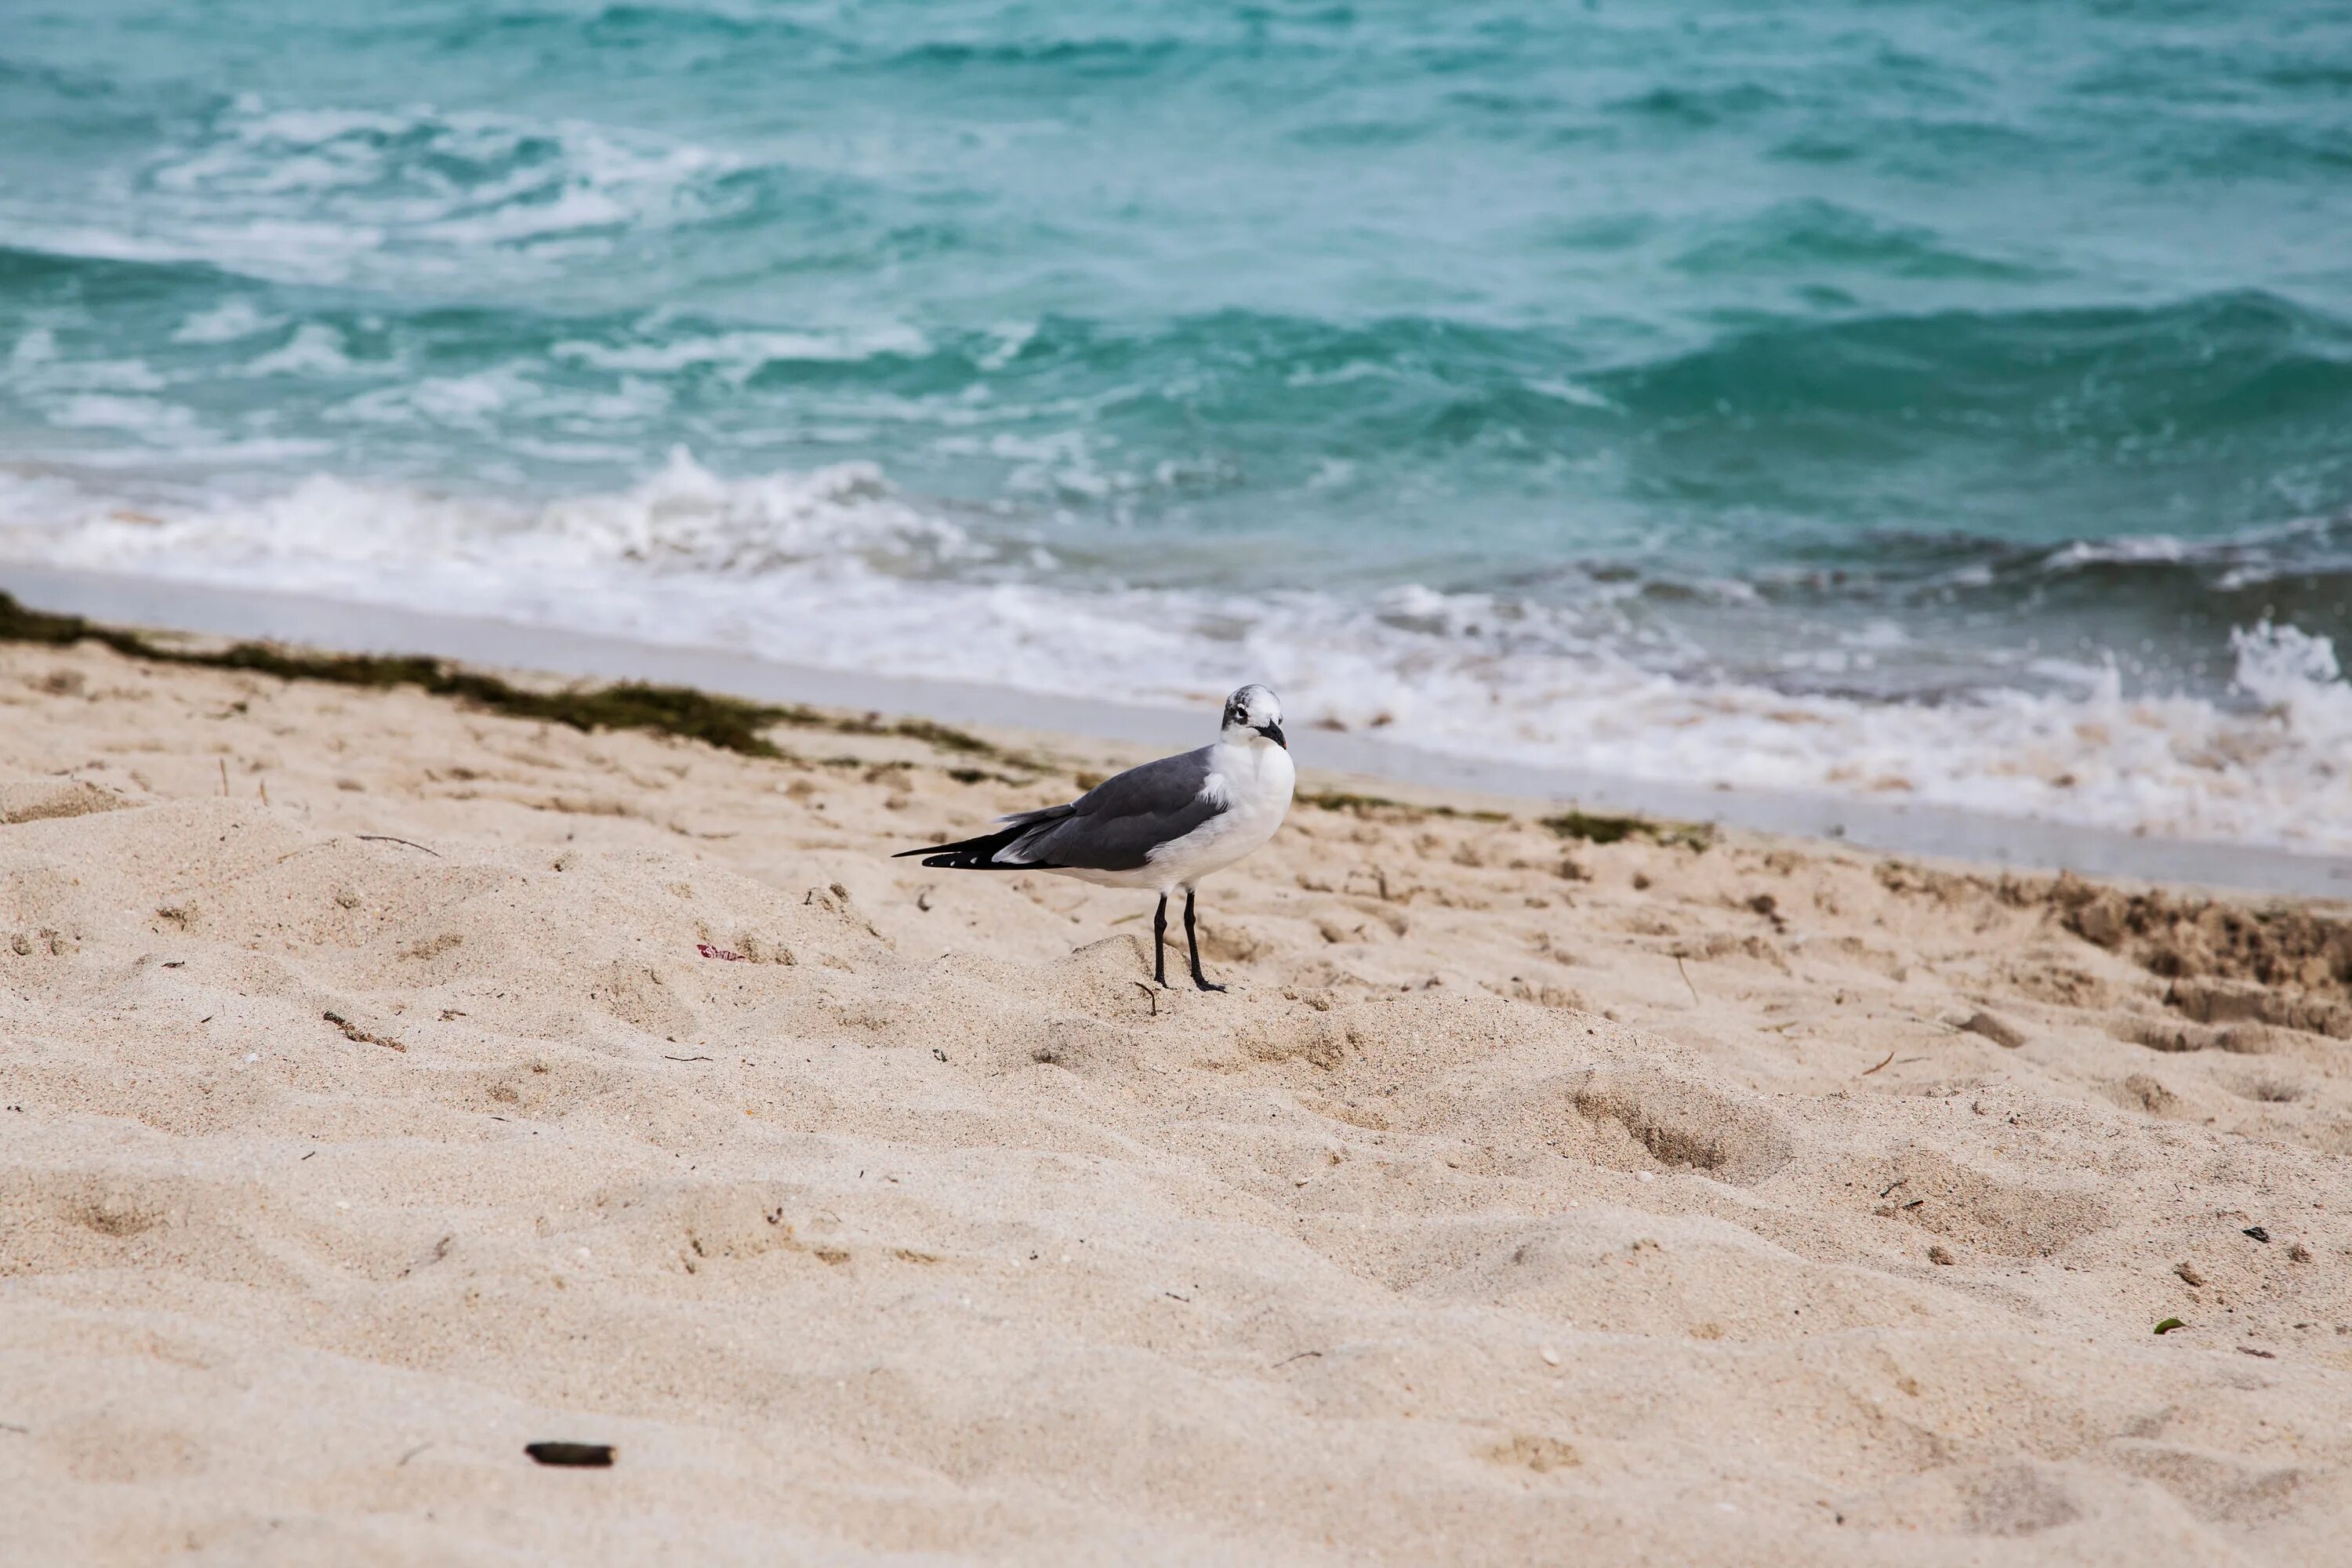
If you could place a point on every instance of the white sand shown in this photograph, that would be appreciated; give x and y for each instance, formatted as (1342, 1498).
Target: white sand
(1498, 1214)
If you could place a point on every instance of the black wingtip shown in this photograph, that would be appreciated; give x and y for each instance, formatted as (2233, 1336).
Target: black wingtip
(986, 860)
(952, 854)
(972, 854)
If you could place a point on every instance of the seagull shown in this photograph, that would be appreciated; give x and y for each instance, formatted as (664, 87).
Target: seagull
(1163, 826)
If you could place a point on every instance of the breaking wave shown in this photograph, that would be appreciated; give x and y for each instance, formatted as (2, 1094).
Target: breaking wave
(836, 568)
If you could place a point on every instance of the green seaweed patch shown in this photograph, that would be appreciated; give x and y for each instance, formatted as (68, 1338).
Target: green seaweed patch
(2169, 1324)
(942, 737)
(727, 722)
(930, 732)
(1341, 800)
(1598, 829)
(985, 775)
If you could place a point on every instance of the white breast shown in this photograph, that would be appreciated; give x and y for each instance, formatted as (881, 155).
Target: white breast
(1254, 783)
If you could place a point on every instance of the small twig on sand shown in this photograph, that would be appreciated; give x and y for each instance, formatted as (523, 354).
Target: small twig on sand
(223, 768)
(1686, 975)
(1302, 1355)
(388, 838)
(412, 1454)
(1867, 1071)
(670, 1058)
(359, 1036)
(1152, 994)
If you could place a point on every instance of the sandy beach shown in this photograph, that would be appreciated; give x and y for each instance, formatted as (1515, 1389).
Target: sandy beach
(387, 1084)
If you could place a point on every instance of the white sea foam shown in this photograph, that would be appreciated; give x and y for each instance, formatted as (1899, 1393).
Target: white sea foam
(224, 323)
(315, 349)
(47, 373)
(103, 411)
(2247, 556)
(322, 196)
(738, 356)
(835, 567)
(1572, 392)
(2298, 677)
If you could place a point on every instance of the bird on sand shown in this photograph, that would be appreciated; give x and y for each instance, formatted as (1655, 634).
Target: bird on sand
(1162, 826)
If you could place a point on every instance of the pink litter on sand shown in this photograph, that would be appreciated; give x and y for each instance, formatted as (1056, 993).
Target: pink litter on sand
(708, 951)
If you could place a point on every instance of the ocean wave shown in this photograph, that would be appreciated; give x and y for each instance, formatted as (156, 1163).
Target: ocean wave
(2164, 373)
(2009, 485)
(1817, 238)
(2022, 490)
(836, 567)
(1973, 421)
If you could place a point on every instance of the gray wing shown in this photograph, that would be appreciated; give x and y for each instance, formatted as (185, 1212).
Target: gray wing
(1115, 826)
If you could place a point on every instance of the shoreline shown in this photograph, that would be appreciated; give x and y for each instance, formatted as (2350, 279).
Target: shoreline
(2024, 844)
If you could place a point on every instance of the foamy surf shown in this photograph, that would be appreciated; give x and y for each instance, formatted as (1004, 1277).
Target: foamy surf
(837, 568)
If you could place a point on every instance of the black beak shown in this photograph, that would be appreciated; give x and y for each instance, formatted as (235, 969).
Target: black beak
(1274, 732)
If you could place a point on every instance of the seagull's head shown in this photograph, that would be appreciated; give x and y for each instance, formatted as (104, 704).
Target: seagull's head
(1253, 717)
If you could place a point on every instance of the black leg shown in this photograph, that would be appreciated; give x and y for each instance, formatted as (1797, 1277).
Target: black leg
(1192, 941)
(1160, 942)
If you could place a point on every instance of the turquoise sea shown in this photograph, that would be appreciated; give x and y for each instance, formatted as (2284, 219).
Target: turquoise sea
(1943, 401)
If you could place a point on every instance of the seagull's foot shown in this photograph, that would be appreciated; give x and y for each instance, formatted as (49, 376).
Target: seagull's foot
(1208, 984)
